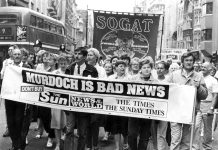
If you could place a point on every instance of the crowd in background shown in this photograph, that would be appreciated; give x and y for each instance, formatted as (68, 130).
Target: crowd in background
(128, 133)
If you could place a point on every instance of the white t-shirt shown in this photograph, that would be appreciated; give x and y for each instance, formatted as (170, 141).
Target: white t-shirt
(211, 84)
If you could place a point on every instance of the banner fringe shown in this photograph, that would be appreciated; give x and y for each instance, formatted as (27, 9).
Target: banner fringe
(125, 13)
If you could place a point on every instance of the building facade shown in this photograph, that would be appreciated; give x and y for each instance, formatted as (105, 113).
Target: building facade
(63, 10)
(197, 26)
(209, 27)
(167, 25)
(197, 6)
(37, 5)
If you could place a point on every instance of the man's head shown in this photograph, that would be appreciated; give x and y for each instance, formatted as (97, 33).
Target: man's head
(188, 61)
(17, 56)
(37, 46)
(80, 54)
(62, 48)
(162, 68)
(30, 58)
(206, 68)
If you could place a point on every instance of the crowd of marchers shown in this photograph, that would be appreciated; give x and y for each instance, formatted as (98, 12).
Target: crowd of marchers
(128, 133)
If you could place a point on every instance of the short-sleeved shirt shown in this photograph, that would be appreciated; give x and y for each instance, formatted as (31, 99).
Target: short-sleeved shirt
(211, 84)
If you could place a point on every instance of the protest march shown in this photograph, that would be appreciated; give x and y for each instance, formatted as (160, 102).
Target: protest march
(114, 83)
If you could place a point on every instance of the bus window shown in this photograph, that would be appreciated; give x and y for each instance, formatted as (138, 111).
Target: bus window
(8, 18)
(59, 29)
(33, 20)
(53, 28)
(39, 22)
(46, 25)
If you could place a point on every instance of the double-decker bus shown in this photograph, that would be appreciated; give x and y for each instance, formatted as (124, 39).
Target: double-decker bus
(23, 26)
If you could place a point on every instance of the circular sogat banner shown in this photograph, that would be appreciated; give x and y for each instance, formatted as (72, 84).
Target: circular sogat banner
(125, 33)
(119, 43)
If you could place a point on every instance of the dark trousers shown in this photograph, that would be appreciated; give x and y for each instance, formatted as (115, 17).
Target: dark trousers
(168, 135)
(92, 134)
(15, 115)
(45, 115)
(26, 123)
(85, 125)
(139, 127)
(108, 123)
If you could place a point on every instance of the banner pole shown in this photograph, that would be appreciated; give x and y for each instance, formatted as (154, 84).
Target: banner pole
(193, 123)
(87, 19)
(162, 32)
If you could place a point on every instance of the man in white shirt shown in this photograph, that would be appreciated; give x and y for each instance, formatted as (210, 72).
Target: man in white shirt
(15, 111)
(6, 63)
(207, 105)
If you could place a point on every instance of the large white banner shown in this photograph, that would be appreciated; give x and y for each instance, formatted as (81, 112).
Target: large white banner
(154, 101)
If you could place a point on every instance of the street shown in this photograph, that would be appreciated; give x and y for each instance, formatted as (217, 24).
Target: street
(39, 144)
(35, 144)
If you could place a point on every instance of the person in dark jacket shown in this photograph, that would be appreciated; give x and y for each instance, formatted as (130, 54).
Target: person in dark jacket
(78, 68)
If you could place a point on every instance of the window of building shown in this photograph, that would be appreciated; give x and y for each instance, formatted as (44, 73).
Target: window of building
(206, 34)
(209, 8)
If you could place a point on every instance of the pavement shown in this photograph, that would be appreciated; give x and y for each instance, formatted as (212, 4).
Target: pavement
(40, 144)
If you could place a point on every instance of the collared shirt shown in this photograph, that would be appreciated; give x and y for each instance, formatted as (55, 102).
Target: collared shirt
(20, 64)
(211, 84)
(187, 74)
(82, 68)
